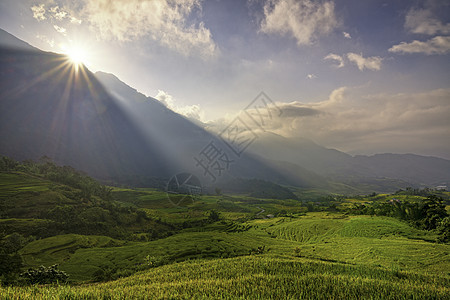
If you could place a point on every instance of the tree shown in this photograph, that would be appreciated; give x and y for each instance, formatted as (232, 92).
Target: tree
(433, 211)
(10, 259)
(7, 164)
(44, 275)
(214, 216)
(444, 230)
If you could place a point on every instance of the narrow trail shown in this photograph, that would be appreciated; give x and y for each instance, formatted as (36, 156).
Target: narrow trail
(262, 210)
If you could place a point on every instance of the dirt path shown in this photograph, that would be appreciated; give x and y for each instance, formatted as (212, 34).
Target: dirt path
(262, 210)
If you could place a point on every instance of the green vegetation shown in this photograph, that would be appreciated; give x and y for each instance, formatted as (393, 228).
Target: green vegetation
(253, 277)
(133, 243)
(45, 275)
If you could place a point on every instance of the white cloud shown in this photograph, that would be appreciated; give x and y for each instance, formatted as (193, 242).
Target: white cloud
(303, 19)
(436, 45)
(165, 98)
(371, 63)
(57, 13)
(38, 12)
(164, 21)
(75, 20)
(346, 35)
(422, 21)
(311, 76)
(337, 58)
(353, 121)
(60, 29)
(193, 112)
(190, 111)
(350, 120)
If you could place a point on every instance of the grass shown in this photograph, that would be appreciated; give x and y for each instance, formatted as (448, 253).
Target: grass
(314, 255)
(361, 240)
(14, 183)
(82, 256)
(369, 241)
(252, 277)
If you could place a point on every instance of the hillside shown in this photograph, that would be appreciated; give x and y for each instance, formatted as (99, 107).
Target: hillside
(141, 245)
(255, 277)
(43, 200)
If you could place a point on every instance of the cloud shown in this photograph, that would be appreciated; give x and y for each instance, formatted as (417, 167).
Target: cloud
(311, 76)
(297, 109)
(422, 21)
(60, 29)
(346, 35)
(371, 63)
(167, 22)
(74, 20)
(353, 121)
(193, 112)
(57, 13)
(436, 45)
(337, 58)
(303, 19)
(54, 14)
(165, 99)
(38, 12)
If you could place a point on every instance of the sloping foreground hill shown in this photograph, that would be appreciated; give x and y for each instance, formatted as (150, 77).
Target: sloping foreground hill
(252, 277)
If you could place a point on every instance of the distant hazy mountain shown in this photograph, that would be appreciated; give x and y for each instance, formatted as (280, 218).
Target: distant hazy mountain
(375, 171)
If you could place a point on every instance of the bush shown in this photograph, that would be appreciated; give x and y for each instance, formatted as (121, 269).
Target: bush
(44, 275)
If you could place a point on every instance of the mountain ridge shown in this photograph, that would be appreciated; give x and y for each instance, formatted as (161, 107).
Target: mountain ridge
(102, 126)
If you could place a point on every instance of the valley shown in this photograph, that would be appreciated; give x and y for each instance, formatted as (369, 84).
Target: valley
(134, 243)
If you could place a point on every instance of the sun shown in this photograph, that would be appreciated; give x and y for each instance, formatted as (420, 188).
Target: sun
(77, 55)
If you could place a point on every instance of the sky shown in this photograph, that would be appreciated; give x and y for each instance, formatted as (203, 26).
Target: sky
(363, 77)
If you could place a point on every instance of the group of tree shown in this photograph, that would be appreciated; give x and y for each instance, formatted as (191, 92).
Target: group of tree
(429, 213)
(82, 204)
(60, 174)
(10, 259)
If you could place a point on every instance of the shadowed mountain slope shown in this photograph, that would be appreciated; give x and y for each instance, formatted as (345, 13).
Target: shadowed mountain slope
(98, 124)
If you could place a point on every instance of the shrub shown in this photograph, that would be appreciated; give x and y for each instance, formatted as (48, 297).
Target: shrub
(44, 275)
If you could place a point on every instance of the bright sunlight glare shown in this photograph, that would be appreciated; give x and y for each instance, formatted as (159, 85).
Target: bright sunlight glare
(77, 55)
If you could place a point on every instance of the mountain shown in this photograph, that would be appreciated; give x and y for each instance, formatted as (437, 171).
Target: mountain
(100, 125)
(381, 172)
(184, 140)
(8, 40)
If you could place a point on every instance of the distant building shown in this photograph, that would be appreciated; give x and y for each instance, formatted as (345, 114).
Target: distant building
(441, 188)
